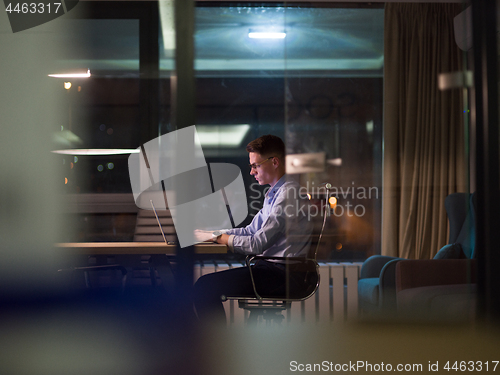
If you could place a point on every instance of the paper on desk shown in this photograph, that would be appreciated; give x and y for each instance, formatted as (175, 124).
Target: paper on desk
(202, 235)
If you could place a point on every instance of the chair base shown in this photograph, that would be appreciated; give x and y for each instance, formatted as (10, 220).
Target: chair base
(271, 311)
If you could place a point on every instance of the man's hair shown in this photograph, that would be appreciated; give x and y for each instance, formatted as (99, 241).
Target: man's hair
(268, 145)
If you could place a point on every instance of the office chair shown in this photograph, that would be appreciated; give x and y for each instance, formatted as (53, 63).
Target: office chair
(271, 308)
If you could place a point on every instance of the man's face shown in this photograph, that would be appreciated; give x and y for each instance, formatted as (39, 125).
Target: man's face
(265, 170)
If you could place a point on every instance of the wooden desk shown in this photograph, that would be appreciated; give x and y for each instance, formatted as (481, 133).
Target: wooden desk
(133, 248)
(130, 255)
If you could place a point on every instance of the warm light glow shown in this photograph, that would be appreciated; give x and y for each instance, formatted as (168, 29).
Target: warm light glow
(309, 196)
(65, 180)
(97, 151)
(333, 202)
(72, 75)
(67, 85)
(338, 246)
(266, 35)
(336, 162)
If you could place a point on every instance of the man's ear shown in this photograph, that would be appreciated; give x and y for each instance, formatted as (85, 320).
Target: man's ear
(277, 162)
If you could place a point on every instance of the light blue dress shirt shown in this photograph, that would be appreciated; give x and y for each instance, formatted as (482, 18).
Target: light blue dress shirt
(281, 228)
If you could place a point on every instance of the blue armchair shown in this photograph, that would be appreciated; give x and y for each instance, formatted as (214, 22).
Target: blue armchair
(377, 284)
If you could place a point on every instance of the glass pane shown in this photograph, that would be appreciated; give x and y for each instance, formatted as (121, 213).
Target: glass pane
(103, 110)
(427, 209)
(333, 98)
(102, 122)
(316, 83)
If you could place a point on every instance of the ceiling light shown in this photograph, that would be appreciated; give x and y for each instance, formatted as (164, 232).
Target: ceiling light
(222, 135)
(97, 151)
(266, 35)
(72, 75)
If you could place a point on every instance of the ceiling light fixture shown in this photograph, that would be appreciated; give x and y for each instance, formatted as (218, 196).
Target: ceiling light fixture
(266, 35)
(72, 75)
(227, 136)
(96, 151)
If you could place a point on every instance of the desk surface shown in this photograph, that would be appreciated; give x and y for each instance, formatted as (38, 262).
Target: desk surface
(135, 248)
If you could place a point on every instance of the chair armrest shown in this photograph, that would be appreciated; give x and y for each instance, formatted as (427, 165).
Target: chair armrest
(387, 284)
(250, 258)
(388, 274)
(295, 261)
(421, 273)
(372, 267)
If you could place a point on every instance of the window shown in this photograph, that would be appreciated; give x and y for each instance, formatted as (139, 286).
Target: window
(319, 88)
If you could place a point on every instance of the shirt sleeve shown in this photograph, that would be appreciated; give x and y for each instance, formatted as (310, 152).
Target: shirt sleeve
(250, 229)
(271, 230)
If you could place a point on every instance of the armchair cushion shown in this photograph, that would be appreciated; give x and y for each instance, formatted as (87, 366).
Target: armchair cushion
(449, 301)
(368, 290)
(421, 273)
(445, 287)
(461, 208)
(376, 283)
(374, 265)
(450, 251)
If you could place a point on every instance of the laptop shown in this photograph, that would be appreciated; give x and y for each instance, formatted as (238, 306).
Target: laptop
(163, 233)
(161, 228)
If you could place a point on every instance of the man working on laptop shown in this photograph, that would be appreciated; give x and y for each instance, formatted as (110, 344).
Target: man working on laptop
(280, 229)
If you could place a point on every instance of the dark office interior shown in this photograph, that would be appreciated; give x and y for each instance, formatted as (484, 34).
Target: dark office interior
(397, 101)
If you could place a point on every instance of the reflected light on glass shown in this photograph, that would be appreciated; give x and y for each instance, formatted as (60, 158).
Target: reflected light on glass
(67, 85)
(72, 75)
(266, 35)
(100, 168)
(97, 151)
(222, 135)
(309, 196)
(333, 202)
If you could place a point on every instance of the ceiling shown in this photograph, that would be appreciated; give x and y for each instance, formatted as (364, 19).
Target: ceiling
(319, 41)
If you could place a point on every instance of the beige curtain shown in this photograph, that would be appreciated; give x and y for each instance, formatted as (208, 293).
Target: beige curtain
(424, 153)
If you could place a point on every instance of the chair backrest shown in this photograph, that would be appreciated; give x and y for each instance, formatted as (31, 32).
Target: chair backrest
(147, 229)
(461, 210)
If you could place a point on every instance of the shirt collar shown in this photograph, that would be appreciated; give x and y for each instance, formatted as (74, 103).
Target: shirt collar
(272, 191)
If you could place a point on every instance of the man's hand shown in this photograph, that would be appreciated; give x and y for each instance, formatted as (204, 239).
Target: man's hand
(223, 239)
(203, 235)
